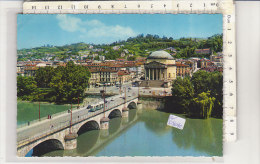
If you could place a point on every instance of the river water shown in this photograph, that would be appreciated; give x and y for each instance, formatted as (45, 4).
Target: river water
(145, 133)
(27, 111)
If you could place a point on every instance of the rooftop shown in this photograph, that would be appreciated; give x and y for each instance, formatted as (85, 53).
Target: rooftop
(160, 55)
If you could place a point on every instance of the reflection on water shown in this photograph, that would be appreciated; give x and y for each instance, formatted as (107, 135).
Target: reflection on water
(155, 121)
(202, 135)
(86, 141)
(147, 134)
(114, 124)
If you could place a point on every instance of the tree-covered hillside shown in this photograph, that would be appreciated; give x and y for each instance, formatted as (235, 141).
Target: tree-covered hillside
(133, 47)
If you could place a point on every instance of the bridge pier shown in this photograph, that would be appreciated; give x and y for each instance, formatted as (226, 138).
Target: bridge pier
(104, 126)
(71, 141)
(125, 112)
(139, 105)
(104, 123)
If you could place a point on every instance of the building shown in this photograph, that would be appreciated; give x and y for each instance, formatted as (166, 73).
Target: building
(103, 76)
(108, 76)
(123, 76)
(20, 69)
(95, 77)
(183, 69)
(203, 63)
(116, 48)
(30, 71)
(206, 51)
(160, 66)
(102, 58)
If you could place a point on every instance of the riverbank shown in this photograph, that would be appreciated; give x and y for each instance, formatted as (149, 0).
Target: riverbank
(164, 104)
(28, 111)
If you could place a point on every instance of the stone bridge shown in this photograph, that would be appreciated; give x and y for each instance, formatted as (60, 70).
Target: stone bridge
(61, 133)
(103, 137)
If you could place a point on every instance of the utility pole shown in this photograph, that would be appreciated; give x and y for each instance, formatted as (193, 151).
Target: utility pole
(39, 112)
(70, 117)
(164, 91)
(120, 85)
(138, 87)
(125, 95)
(104, 97)
(78, 101)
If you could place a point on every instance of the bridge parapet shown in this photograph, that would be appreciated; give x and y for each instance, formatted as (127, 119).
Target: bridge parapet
(26, 142)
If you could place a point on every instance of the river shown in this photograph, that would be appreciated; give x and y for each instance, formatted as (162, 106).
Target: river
(28, 111)
(145, 133)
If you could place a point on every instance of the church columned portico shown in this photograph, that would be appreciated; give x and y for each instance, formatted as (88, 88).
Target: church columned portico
(155, 73)
(160, 68)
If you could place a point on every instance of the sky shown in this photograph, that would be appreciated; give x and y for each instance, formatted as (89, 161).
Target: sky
(35, 30)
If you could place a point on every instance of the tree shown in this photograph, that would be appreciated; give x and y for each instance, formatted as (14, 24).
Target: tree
(43, 76)
(202, 105)
(200, 81)
(132, 58)
(69, 82)
(182, 94)
(199, 97)
(26, 87)
(210, 81)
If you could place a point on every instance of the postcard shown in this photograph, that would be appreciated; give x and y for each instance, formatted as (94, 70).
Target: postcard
(117, 85)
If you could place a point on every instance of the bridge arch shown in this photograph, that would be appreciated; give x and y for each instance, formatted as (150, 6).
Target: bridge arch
(132, 105)
(45, 147)
(87, 126)
(114, 113)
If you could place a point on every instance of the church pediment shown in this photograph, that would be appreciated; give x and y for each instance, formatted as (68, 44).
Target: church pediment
(155, 64)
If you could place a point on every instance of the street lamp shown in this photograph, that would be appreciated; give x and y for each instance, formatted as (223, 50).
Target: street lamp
(124, 108)
(78, 102)
(39, 107)
(138, 83)
(39, 112)
(104, 97)
(120, 85)
(70, 116)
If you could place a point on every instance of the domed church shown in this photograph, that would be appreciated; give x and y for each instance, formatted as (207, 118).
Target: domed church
(160, 66)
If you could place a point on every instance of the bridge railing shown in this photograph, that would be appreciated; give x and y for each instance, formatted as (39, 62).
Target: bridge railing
(24, 139)
(45, 118)
(53, 115)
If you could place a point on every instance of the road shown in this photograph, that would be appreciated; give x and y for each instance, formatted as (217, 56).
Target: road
(143, 91)
(49, 125)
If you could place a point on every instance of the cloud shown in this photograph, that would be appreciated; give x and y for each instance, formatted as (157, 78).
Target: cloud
(93, 28)
(70, 24)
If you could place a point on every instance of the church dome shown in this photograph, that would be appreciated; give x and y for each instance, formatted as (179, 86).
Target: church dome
(160, 55)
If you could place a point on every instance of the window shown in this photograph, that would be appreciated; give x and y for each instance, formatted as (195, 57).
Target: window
(169, 75)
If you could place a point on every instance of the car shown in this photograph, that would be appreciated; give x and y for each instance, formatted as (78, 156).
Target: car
(89, 106)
